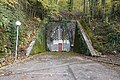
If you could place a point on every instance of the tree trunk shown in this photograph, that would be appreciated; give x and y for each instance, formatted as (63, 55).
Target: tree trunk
(84, 8)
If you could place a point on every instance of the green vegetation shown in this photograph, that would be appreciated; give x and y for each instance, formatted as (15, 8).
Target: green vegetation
(40, 45)
(62, 54)
(86, 28)
(8, 17)
(99, 18)
(107, 37)
(80, 45)
(10, 12)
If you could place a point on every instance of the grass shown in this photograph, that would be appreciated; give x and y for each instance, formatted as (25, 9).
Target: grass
(59, 54)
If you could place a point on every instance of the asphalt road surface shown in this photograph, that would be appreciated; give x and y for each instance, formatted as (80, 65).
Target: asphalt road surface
(55, 67)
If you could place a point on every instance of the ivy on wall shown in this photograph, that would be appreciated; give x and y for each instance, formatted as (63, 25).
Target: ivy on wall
(80, 45)
(40, 44)
(8, 16)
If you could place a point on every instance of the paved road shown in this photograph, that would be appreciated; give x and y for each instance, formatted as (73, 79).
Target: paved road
(51, 67)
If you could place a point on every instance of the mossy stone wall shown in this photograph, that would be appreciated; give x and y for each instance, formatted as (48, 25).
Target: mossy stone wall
(40, 44)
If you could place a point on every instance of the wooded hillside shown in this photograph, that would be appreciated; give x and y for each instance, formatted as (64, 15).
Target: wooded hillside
(102, 18)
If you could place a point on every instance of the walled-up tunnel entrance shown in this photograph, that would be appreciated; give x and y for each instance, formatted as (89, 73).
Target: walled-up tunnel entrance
(63, 36)
(60, 36)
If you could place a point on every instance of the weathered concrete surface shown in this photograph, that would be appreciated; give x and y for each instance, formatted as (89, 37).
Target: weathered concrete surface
(51, 67)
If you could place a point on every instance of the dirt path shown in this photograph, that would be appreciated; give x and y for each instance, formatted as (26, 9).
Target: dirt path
(64, 66)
